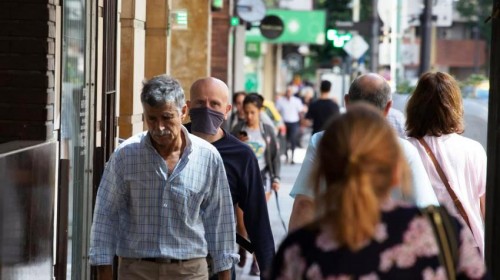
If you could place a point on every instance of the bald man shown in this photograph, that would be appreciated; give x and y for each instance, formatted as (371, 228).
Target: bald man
(208, 107)
(374, 89)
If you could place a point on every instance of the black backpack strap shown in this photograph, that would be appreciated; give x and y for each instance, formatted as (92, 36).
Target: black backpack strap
(446, 235)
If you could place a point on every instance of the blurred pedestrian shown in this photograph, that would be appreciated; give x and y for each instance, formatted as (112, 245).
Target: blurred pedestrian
(291, 110)
(397, 119)
(360, 232)
(208, 107)
(323, 108)
(270, 111)
(306, 95)
(373, 89)
(164, 202)
(268, 114)
(237, 114)
(262, 140)
(434, 124)
(298, 84)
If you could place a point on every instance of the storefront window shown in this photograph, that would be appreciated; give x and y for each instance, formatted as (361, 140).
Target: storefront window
(74, 124)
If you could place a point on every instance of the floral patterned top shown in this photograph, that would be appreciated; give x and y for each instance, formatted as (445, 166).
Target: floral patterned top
(404, 247)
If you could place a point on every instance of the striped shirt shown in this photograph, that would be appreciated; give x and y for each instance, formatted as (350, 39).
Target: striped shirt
(143, 211)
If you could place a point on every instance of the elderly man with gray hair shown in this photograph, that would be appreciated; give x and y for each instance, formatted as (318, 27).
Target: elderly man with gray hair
(164, 202)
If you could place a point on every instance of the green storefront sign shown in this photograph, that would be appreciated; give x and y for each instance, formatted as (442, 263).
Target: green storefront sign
(303, 27)
(252, 49)
(251, 82)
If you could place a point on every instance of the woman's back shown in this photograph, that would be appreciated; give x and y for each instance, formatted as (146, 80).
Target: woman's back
(360, 233)
(464, 163)
(403, 247)
(435, 114)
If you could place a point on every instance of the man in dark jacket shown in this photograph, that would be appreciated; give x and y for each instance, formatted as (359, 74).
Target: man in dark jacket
(208, 108)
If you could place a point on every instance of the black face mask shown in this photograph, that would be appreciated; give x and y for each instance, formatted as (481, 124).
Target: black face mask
(205, 120)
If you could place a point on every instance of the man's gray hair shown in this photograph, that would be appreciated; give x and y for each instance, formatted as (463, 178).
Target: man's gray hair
(376, 92)
(163, 89)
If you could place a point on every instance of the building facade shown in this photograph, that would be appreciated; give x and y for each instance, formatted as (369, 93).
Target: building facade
(71, 72)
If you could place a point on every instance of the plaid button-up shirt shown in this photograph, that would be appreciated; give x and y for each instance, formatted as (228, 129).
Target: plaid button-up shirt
(142, 211)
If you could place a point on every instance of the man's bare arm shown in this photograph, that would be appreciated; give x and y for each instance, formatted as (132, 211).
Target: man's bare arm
(302, 212)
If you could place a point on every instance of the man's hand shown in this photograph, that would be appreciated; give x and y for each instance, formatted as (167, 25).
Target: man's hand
(240, 228)
(275, 186)
(282, 130)
(105, 272)
(243, 138)
(225, 275)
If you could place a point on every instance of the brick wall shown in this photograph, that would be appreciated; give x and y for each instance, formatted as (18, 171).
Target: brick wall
(27, 66)
(463, 53)
(220, 43)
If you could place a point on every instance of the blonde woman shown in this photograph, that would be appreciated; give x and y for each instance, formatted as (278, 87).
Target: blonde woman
(359, 232)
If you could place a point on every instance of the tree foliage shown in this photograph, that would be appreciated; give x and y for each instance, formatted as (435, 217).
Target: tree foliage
(476, 12)
(473, 11)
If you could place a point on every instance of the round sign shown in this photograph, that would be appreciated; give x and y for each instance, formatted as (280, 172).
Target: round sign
(271, 27)
(251, 10)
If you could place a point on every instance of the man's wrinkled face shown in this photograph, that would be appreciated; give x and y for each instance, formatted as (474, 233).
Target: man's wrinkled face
(164, 122)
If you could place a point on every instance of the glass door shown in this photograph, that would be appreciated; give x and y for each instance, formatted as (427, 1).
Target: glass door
(77, 128)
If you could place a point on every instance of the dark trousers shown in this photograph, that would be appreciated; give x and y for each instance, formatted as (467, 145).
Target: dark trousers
(292, 133)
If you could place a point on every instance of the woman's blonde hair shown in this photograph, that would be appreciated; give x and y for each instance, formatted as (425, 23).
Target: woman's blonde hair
(357, 160)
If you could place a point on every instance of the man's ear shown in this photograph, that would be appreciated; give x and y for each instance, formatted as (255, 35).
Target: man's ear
(184, 111)
(228, 109)
(387, 108)
(188, 103)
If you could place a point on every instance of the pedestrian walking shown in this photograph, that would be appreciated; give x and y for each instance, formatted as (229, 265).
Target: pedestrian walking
(237, 114)
(322, 109)
(163, 203)
(292, 110)
(208, 107)
(373, 89)
(263, 141)
(360, 232)
(456, 165)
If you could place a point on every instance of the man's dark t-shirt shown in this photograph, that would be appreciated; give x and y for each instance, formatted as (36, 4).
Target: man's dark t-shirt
(320, 111)
(245, 182)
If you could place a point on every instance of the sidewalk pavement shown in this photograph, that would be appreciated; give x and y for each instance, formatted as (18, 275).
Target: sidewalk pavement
(288, 174)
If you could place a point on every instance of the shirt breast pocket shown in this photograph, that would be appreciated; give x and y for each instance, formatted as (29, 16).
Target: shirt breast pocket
(186, 201)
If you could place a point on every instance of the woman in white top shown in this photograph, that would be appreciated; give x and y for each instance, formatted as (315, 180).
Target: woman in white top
(434, 113)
